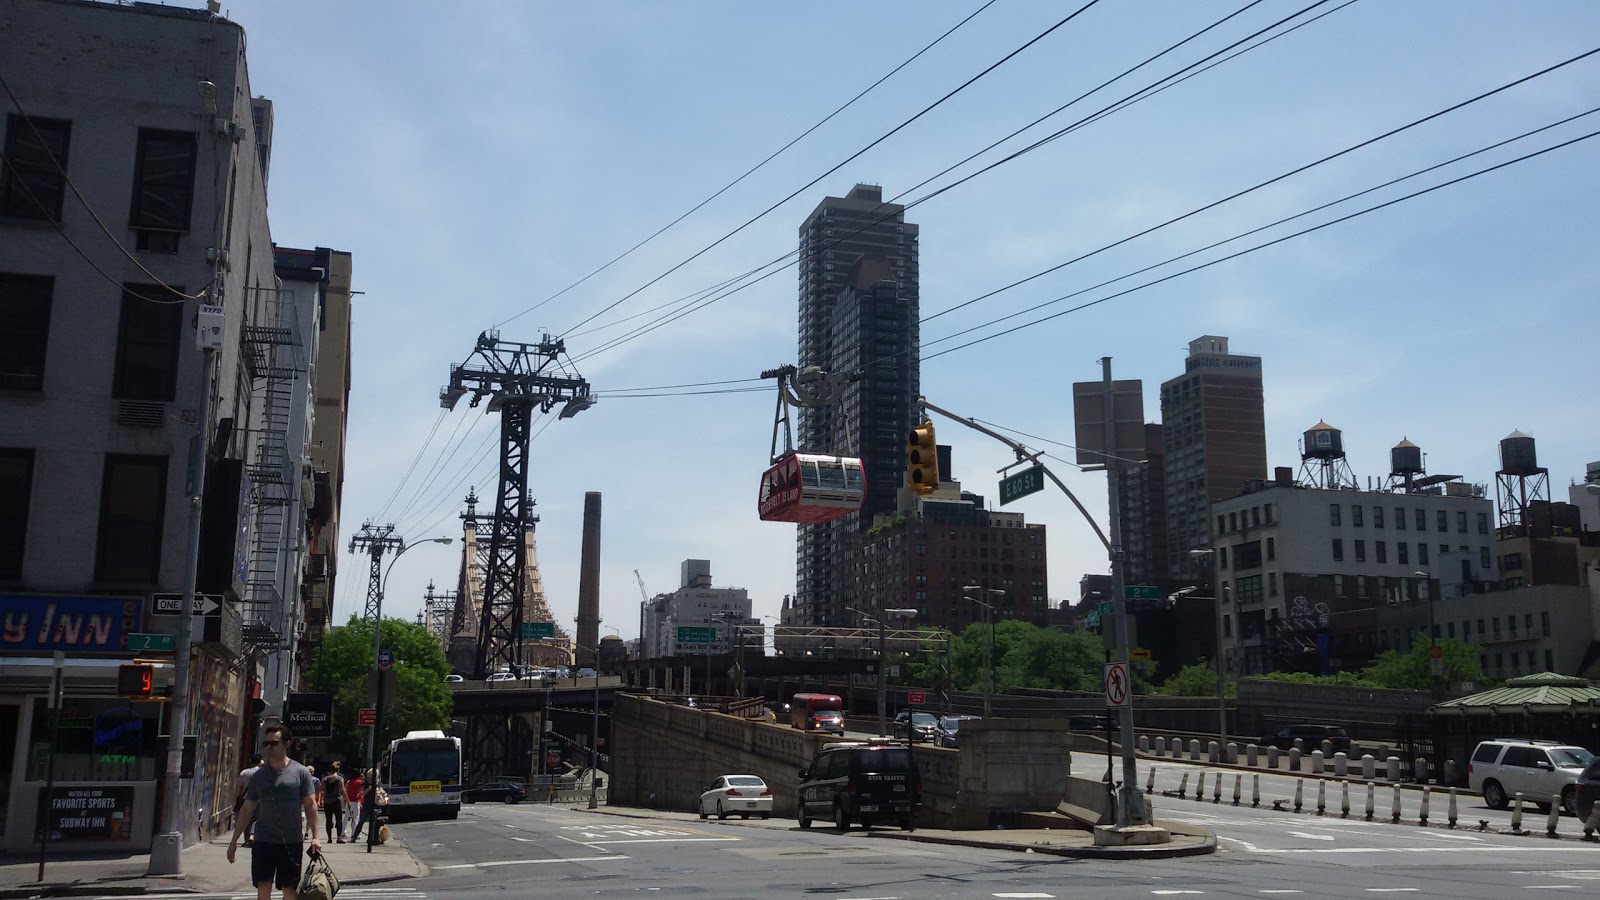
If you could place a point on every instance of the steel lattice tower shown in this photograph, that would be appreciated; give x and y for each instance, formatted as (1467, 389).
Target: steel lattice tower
(518, 379)
(376, 540)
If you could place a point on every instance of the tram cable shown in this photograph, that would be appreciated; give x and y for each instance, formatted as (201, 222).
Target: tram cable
(752, 170)
(421, 450)
(452, 445)
(1194, 68)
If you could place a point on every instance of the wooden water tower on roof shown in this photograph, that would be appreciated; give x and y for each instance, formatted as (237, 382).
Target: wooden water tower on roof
(1521, 481)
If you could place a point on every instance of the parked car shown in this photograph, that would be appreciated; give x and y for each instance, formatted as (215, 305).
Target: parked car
(860, 782)
(501, 676)
(490, 791)
(947, 733)
(736, 795)
(916, 726)
(1311, 737)
(1588, 790)
(1541, 770)
(452, 679)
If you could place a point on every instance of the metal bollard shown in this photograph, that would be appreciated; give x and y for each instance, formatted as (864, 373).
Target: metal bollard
(1213, 754)
(1216, 789)
(1150, 781)
(1272, 758)
(1194, 748)
(1394, 768)
(1238, 781)
(1200, 787)
(1372, 792)
(1555, 816)
(1317, 758)
(1369, 766)
(1422, 818)
(1230, 754)
(1252, 755)
(1516, 815)
(1394, 808)
(1420, 771)
(1341, 764)
(1451, 812)
(1344, 799)
(1322, 797)
(1299, 793)
(1255, 791)
(1294, 758)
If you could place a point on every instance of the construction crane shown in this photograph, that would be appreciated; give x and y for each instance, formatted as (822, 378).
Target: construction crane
(643, 592)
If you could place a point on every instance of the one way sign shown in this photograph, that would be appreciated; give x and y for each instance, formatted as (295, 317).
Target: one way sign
(172, 604)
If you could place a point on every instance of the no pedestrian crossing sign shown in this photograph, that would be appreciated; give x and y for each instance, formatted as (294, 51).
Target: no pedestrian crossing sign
(1116, 684)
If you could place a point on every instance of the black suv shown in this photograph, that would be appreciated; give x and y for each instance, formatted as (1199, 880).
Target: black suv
(866, 783)
(1311, 737)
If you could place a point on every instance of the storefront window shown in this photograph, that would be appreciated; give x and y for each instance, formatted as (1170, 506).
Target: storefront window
(101, 739)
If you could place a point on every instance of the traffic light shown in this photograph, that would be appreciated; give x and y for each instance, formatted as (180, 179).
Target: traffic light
(135, 681)
(922, 459)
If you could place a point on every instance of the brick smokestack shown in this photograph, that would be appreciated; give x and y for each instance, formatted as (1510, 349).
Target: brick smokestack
(589, 581)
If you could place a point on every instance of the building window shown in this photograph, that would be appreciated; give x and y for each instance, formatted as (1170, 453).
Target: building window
(1355, 515)
(1461, 521)
(24, 330)
(1272, 584)
(132, 505)
(1361, 551)
(1422, 553)
(1266, 512)
(1222, 523)
(16, 489)
(1422, 520)
(1227, 626)
(1338, 550)
(1222, 558)
(1483, 523)
(1466, 629)
(1377, 517)
(1500, 662)
(147, 345)
(1442, 520)
(163, 180)
(1333, 514)
(1450, 629)
(1483, 558)
(1380, 551)
(34, 185)
(1402, 553)
(1255, 516)
(1338, 585)
(1272, 548)
(1544, 623)
(1233, 521)
(1549, 661)
(1399, 518)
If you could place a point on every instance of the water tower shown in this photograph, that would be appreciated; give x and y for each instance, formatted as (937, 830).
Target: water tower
(1521, 482)
(1405, 464)
(1322, 459)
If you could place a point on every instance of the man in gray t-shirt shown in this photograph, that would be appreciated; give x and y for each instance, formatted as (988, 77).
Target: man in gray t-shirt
(276, 796)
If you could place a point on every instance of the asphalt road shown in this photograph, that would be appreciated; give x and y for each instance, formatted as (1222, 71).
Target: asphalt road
(539, 851)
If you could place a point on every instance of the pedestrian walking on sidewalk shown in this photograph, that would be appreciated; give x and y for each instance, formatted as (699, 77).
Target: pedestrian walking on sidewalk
(277, 796)
(238, 800)
(358, 810)
(333, 803)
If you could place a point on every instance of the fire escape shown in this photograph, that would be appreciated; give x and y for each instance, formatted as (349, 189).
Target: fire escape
(272, 360)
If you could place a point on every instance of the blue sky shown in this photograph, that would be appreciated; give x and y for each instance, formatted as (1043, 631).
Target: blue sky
(478, 158)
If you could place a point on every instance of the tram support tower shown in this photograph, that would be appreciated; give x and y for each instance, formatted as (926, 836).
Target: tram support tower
(376, 540)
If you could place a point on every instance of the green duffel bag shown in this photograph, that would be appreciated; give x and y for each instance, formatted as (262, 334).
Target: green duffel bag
(318, 882)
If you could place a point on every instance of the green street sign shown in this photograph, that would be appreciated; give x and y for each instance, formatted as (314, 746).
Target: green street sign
(1092, 620)
(1141, 592)
(533, 631)
(1028, 481)
(152, 643)
(1106, 608)
(696, 634)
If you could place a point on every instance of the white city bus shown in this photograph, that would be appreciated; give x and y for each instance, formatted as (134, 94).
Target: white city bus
(422, 774)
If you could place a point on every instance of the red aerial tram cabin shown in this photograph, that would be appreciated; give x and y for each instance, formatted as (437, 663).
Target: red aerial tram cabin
(811, 488)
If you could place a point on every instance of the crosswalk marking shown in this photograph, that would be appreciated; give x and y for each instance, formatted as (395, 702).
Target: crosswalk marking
(370, 893)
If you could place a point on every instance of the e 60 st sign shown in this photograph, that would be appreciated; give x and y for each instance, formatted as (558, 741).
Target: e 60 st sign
(1015, 487)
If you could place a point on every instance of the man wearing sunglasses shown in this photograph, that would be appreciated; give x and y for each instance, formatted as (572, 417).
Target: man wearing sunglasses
(277, 795)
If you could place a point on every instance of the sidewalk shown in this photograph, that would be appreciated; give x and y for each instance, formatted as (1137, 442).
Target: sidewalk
(205, 870)
(1187, 840)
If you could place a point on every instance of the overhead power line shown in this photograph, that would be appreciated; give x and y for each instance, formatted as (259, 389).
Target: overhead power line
(412, 468)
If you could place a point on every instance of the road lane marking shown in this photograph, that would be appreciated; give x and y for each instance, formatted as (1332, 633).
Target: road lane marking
(1549, 887)
(1279, 891)
(1393, 890)
(1449, 848)
(529, 862)
(1168, 893)
(1314, 837)
(1025, 896)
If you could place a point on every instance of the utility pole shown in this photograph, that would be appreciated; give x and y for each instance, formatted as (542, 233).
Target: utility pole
(166, 849)
(1131, 809)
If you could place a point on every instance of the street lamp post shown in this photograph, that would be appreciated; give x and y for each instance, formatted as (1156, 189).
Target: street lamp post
(1209, 555)
(377, 722)
(594, 726)
(988, 646)
(883, 660)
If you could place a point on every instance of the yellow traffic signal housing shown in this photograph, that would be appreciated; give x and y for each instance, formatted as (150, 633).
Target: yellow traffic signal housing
(922, 459)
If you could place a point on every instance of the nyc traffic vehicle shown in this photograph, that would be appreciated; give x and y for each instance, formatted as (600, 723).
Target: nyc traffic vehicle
(736, 795)
(422, 773)
(860, 782)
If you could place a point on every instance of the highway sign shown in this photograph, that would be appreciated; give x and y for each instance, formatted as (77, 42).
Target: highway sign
(696, 634)
(538, 631)
(1141, 592)
(385, 659)
(152, 643)
(1015, 487)
(1116, 684)
(172, 604)
(916, 698)
(1140, 654)
(367, 716)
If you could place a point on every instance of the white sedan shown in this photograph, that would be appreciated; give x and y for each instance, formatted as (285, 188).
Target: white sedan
(737, 795)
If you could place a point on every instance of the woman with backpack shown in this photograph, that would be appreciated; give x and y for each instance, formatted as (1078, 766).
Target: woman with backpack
(333, 793)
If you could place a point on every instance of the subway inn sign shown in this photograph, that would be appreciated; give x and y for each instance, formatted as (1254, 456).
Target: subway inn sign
(34, 623)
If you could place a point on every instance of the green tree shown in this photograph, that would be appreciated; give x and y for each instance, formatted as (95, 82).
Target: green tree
(343, 664)
(1342, 679)
(1048, 658)
(1410, 670)
(1196, 680)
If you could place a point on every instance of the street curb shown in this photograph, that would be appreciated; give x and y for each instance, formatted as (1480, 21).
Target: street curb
(1157, 851)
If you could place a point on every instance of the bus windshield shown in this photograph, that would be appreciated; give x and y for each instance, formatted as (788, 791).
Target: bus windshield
(425, 760)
